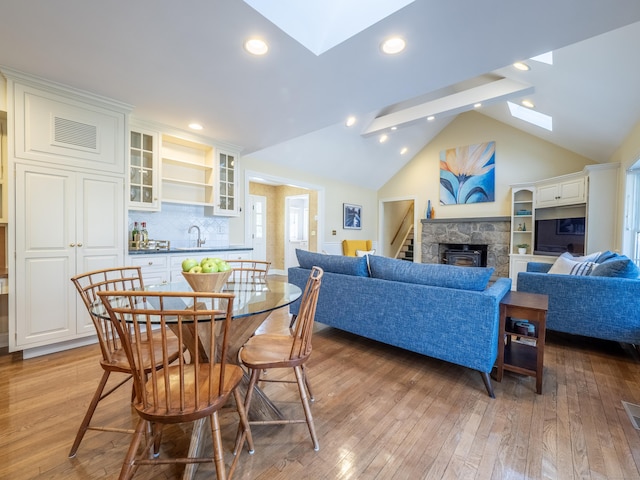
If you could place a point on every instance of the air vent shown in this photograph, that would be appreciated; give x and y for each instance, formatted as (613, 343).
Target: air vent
(69, 132)
(633, 412)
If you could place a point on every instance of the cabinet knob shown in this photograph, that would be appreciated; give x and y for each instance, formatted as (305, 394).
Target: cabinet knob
(150, 262)
(72, 244)
(79, 244)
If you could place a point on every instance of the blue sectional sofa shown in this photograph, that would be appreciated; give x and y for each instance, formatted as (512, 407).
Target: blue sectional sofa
(442, 311)
(601, 300)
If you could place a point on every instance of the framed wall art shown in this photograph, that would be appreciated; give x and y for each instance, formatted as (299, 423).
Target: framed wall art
(352, 215)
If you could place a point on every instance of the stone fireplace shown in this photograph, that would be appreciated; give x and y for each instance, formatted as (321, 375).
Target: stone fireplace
(494, 232)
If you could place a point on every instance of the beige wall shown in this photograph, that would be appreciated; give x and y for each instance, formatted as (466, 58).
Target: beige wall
(276, 196)
(627, 154)
(519, 158)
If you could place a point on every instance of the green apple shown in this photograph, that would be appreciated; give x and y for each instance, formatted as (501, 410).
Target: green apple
(207, 260)
(196, 269)
(211, 267)
(224, 266)
(188, 264)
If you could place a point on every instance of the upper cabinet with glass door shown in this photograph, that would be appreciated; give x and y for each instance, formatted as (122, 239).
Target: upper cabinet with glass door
(226, 193)
(143, 171)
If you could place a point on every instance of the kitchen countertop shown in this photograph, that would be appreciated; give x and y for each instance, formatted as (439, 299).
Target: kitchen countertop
(189, 250)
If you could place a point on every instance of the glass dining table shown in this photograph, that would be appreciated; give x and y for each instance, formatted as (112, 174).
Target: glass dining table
(253, 303)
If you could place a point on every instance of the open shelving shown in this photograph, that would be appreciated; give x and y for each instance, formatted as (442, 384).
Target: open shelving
(188, 171)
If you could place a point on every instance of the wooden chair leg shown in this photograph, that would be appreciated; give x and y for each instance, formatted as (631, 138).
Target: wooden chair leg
(218, 457)
(242, 432)
(307, 408)
(84, 426)
(306, 382)
(128, 466)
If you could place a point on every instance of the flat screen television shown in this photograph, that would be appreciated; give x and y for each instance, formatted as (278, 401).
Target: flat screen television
(559, 235)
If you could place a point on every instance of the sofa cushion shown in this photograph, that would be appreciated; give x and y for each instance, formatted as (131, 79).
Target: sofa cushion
(619, 266)
(566, 265)
(333, 263)
(449, 276)
(606, 255)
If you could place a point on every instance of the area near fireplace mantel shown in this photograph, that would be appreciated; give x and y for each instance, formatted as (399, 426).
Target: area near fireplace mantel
(491, 231)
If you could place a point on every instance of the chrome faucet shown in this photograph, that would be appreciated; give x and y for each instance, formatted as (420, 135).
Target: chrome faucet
(200, 241)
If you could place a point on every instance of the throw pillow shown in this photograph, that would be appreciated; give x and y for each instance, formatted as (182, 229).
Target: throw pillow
(566, 266)
(620, 267)
(362, 253)
(607, 255)
(433, 274)
(333, 263)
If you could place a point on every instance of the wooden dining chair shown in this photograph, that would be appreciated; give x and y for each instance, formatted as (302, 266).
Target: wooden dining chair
(114, 359)
(249, 271)
(179, 392)
(268, 351)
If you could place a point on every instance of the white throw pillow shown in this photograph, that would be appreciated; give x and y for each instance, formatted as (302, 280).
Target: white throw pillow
(362, 253)
(567, 266)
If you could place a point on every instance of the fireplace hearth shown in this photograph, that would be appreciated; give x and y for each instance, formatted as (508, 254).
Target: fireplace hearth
(440, 234)
(464, 255)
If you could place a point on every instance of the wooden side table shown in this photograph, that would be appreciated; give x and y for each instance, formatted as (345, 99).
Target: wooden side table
(520, 356)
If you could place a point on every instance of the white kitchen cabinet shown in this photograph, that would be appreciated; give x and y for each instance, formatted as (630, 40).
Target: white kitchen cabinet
(70, 222)
(568, 190)
(55, 124)
(144, 187)
(154, 268)
(226, 192)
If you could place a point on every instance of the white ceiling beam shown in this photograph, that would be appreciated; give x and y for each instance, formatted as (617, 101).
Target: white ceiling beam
(451, 104)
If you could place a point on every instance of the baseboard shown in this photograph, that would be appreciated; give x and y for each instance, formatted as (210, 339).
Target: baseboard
(58, 347)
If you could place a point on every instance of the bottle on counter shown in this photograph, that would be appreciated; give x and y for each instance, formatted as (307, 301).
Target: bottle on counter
(135, 233)
(144, 235)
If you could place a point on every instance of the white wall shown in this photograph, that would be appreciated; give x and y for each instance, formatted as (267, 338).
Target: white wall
(330, 208)
(519, 158)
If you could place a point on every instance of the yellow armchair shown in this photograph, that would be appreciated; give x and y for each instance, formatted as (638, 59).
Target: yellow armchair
(349, 247)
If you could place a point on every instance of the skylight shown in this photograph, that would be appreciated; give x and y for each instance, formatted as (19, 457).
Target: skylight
(531, 116)
(544, 58)
(320, 25)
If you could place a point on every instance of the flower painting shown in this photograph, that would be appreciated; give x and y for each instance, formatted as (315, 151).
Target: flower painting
(467, 174)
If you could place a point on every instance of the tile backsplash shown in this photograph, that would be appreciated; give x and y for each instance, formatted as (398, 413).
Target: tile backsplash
(173, 222)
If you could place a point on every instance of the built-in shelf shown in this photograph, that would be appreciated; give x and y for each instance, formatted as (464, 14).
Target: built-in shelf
(188, 170)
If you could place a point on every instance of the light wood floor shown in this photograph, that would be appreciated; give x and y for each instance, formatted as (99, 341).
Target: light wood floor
(380, 413)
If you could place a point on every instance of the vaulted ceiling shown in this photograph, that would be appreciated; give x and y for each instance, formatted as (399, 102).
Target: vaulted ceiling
(179, 62)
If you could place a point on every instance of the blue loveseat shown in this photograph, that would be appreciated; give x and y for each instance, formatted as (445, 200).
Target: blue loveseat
(442, 311)
(601, 300)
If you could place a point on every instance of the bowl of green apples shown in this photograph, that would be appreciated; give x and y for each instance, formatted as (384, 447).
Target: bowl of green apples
(207, 275)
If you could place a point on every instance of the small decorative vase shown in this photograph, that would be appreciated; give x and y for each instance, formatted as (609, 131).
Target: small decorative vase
(522, 251)
(429, 209)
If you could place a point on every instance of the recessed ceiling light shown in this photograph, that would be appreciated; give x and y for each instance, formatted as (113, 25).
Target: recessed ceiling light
(522, 66)
(393, 45)
(351, 121)
(383, 138)
(477, 105)
(195, 126)
(256, 46)
(431, 118)
(528, 103)
(404, 150)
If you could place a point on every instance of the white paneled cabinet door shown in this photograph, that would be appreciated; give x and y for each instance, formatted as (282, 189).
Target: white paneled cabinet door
(70, 222)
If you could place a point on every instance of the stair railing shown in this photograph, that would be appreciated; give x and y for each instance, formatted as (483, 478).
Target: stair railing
(404, 230)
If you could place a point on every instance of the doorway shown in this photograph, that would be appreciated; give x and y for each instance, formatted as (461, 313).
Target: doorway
(398, 231)
(258, 226)
(296, 227)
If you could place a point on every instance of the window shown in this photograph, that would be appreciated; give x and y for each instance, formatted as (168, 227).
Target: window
(631, 242)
